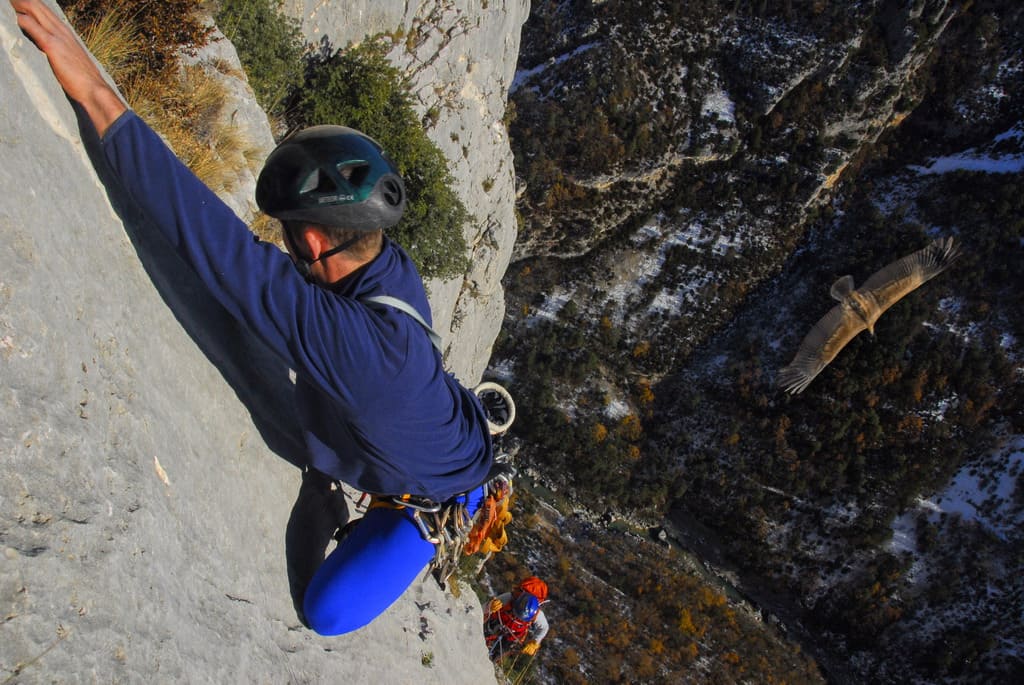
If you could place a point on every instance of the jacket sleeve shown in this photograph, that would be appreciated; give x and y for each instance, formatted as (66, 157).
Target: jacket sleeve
(539, 628)
(254, 281)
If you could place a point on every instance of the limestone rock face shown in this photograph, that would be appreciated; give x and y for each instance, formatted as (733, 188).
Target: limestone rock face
(220, 60)
(461, 56)
(147, 476)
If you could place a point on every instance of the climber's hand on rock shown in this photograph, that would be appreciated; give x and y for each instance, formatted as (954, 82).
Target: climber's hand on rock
(75, 70)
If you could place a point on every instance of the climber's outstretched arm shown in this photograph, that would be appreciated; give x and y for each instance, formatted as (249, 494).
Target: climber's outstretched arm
(71, 63)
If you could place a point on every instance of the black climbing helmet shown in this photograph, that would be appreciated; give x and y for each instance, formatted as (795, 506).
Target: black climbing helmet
(332, 175)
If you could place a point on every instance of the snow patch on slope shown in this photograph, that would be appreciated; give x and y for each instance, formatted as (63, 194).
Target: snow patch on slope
(1003, 156)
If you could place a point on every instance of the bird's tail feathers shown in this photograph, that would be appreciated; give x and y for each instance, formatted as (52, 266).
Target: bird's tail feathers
(842, 288)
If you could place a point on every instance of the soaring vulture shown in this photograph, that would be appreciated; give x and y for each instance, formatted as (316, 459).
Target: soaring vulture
(860, 309)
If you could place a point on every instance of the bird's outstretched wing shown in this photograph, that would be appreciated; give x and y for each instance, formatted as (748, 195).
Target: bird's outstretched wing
(820, 346)
(883, 289)
(890, 283)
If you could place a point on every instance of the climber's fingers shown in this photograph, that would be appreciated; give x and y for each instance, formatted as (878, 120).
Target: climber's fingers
(74, 68)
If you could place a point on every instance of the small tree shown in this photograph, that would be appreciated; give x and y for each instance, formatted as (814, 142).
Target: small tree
(358, 87)
(270, 47)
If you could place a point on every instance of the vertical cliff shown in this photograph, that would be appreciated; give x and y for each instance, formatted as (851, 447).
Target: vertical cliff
(148, 511)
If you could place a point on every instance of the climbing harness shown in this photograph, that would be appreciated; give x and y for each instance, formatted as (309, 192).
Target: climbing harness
(503, 631)
(508, 626)
(448, 525)
(450, 528)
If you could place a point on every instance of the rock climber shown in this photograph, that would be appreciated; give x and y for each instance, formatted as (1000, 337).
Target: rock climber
(515, 621)
(345, 308)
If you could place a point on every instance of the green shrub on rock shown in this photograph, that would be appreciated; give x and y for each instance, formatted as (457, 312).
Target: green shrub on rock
(360, 88)
(270, 47)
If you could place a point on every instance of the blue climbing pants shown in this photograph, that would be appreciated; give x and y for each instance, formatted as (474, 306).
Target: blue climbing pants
(371, 568)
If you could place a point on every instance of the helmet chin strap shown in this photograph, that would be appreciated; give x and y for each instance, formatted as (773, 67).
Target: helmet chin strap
(305, 266)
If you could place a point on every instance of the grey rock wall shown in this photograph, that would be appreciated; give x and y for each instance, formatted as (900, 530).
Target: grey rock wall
(146, 474)
(220, 60)
(461, 56)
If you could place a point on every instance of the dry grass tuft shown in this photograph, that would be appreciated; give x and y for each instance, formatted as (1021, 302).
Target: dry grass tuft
(184, 104)
(114, 40)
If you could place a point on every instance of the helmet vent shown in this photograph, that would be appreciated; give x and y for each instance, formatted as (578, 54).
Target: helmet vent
(318, 182)
(354, 172)
(392, 192)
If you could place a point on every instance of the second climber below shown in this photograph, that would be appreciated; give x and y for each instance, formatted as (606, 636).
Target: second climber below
(515, 622)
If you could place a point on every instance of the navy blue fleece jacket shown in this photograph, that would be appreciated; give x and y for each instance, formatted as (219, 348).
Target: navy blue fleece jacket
(378, 410)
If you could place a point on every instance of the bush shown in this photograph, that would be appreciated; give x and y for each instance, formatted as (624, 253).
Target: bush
(358, 87)
(270, 47)
(166, 27)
